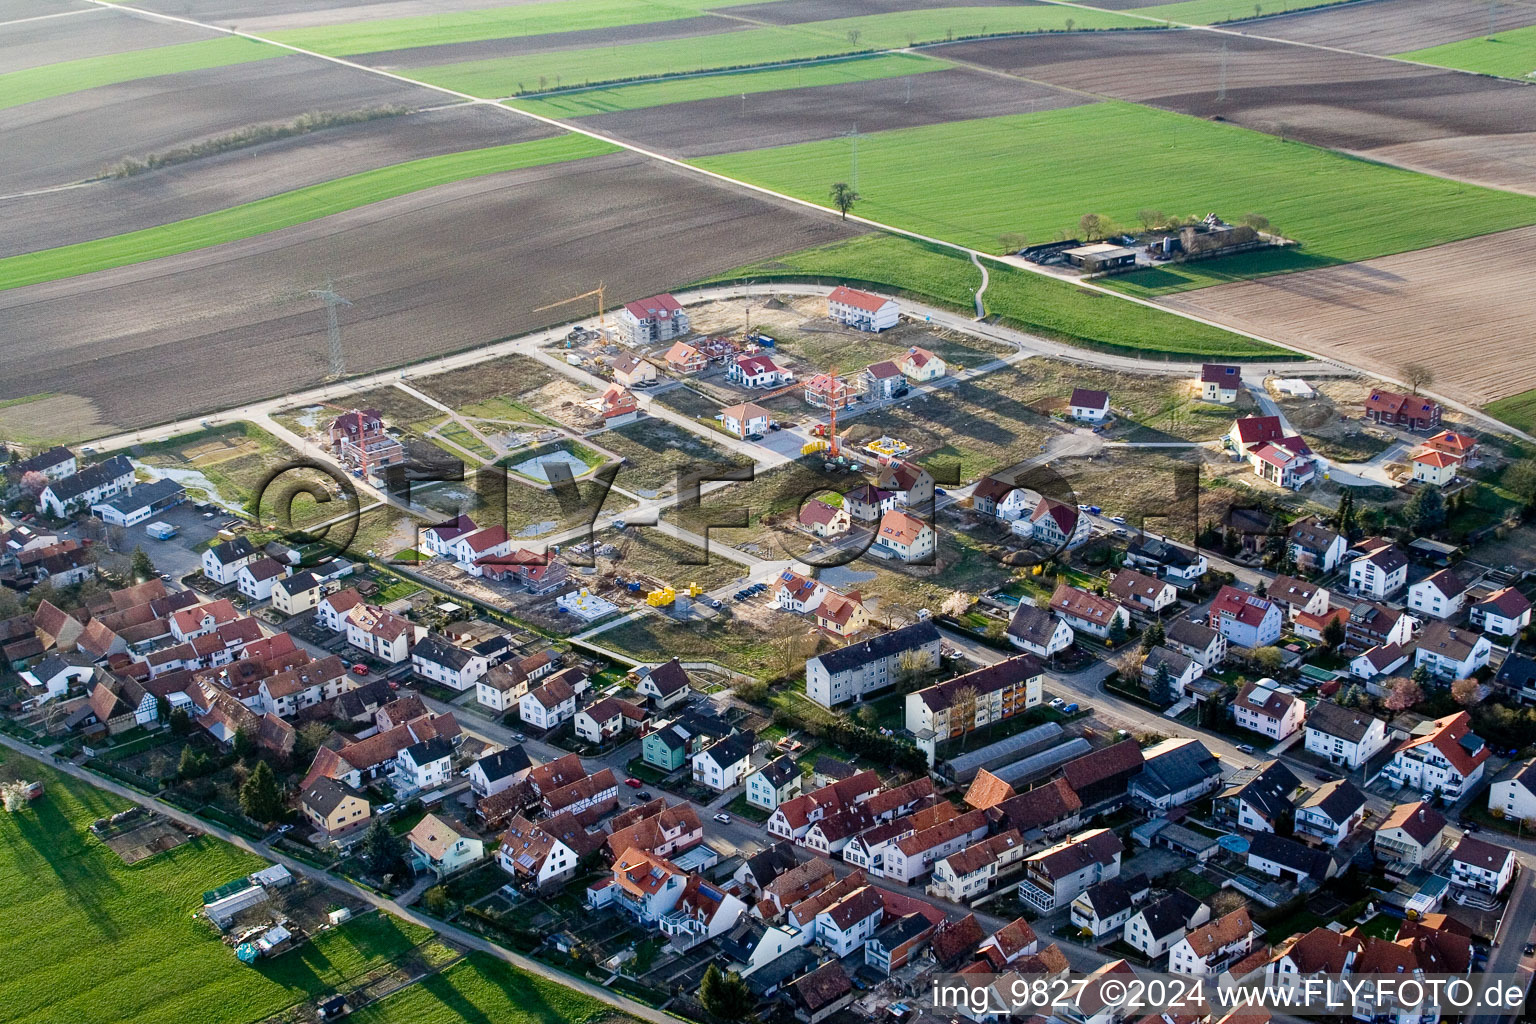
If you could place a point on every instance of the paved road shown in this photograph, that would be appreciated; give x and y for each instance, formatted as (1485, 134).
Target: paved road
(458, 935)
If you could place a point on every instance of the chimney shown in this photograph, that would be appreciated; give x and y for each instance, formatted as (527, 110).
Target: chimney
(1421, 814)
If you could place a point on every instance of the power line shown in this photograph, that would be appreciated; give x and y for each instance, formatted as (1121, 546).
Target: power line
(332, 301)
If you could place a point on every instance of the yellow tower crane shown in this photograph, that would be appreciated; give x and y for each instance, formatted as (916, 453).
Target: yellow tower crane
(597, 293)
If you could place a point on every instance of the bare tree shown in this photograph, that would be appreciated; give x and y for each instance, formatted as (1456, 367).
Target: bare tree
(1094, 226)
(1467, 692)
(843, 197)
(1417, 375)
(1403, 693)
(1151, 219)
(853, 36)
(962, 711)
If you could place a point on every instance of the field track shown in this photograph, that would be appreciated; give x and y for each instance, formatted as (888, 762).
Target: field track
(1358, 104)
(1464, 309)
(428, 273)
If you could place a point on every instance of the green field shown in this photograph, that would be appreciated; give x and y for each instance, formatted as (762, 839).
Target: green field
(41, 83)
(1509, 54)
(538, 72)
(1211, 12)
(1053, 308)
(483, 989)
(802, 76)
(495, 23)
(1518, 411)
(92, 941)
(288, 208)
(1037, 174)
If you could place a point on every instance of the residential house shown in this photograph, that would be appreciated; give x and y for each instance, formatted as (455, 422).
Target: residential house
(441, 845)
(861, 310)
(658, 318)
(912, 857)
(1103, 909)
(849, 672)
(1141, 592)
(1434, 468)
(57, 463)
(437, 540)
(1251, 529)
(499, 770)
(587, 798)
(1289, 860)
(1058, 525)
(821, 993)
(1181, 671)
(967, 874)
(502, 687)
(1517, 677)
(663, 685)
(1012, 941)
(1260, 799)
(669, 745)
(472, 548)
(256, 579)
(1380, 569)
(643, 886)
(53, 677)
(823, 391)
(1196, 641)
(1379, 661)
(1154, 928)
(1439, 595)
(1480, 865)
(289, 691)
(796, 593)
(533, 856)
(1297, 597)
(607, 718)
(1245, 619)
(333, 609)
(423, 766)
(1411, 412)
(1449, 652)
(553, 702)
(757, 371)
(904, 537)
(842, 615)
(1088, 613)
(656, 828)
(684, 359)
(615, 407)
(775, 782)
(921, 365)
(296, 594)
(1174, 772)
(334, 807)
(1373, 625)
(1038, 631)
(1057, 875)
(849, 922)
(222, 562)
(381, 633)
(1314, 547)
(1514, 798)
(1505, 612)
(440, 661)
(630, 370)
(1331, 813)
(1409, 837)
(969, 701)
(1104, 776)
(868, 503)
(1219, 383)
(726, 763)
(63, 497)
(1345, 736)
(1321, 956)
(824, 520)
(1264, 708)
(912, 484)
(1000, 499)
(898, 939)
(1178, 565)
(702, 912)
(745, 419)
(882, 381)
(359, 439)
(1210, 948)
(1443, 756)
(1088, 406)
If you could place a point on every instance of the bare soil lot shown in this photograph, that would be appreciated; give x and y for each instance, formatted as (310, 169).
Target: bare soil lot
(1354, 103)
(73, 137)
(1395, 26)
(786, 116)
(792, 12)
(427, 273)
(519, 46)
(1435, 306)
(15, 10)
(270, 15)
(33, 44)
(114, 206)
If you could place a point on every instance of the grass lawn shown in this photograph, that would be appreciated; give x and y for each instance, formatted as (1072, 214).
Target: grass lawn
(1211, 12)
(234, 459)
(1382, 927)
(751, 812)
(287, 208)
(1509, 54)
(459, 436)
(482, 988)
(380, 34)
(990, 183)
(729, 642)
(104, 942)
(737, 83)
(1516, 410)
(41, 83)
(657, 450)
(1033, 302)
(537, 72)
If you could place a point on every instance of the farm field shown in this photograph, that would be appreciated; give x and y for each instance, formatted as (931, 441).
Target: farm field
(1382, 313)
(1394, 26)
(392, 135)
(987, 187)
(1052, 308)
(1454, 125)
(427, 274)
(103, 33)
(289, 208)
(481, 988)
(1509, 54)
(45, 82)
(124, 937)
(1516, 410)
(729, 124)
(77, 136)
(1214, 12)
(506, 77)
(587, 102)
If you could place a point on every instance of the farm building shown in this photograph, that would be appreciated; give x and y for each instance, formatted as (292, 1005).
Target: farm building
(861, 310)
(1098, 257)
(658, 318)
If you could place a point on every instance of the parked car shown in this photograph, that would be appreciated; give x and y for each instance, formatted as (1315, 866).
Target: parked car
(724, 819)
(361, 670)
(1245, 748)
(520, 737)
(753, 437)
(633, 783)
(384, 809)
(1069, 709)
(1057, 702)
(644, 794)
